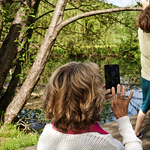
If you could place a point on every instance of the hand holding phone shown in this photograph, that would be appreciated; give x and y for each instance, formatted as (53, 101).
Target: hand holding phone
(107, 93)
(112, 76)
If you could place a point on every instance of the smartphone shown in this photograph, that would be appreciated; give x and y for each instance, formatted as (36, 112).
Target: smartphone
(112, 76)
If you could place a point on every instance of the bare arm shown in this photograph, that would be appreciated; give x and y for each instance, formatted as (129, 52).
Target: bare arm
(144, 3)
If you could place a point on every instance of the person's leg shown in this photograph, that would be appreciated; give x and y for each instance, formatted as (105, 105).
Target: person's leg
(139, 121)
(145, 105)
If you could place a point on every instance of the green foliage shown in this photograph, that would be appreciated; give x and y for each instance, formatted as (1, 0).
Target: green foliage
(12, 138)
(25, 56)
(91, 38)
(99, 38)
(106, 114)
(8, 13)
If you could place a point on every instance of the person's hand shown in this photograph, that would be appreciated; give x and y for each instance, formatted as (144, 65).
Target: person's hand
(144, 3)
(118, 104)
(107, 92)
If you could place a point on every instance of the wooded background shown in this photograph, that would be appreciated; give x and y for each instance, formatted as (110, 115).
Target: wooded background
(38, 34)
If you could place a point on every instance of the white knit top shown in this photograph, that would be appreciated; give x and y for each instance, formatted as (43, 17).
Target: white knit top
(51, 139)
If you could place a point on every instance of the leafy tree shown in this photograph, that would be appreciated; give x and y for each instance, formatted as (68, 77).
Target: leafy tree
(14, 42)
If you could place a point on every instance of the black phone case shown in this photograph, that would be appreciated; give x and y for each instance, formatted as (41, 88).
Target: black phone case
(112, 76)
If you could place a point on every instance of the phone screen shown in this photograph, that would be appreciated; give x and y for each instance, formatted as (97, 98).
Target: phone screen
(112, 76)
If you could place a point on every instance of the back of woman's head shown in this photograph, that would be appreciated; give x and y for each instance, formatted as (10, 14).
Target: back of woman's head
(74, 96)
(144, 20)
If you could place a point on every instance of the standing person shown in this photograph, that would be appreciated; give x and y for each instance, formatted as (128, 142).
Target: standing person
(73, 100)
(144, 41)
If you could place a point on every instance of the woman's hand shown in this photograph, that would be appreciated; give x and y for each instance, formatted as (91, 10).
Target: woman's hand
(107, 92)
(118, 104)
(144, 3)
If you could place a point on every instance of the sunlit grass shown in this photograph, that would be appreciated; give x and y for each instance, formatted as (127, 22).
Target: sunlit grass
(11, 138)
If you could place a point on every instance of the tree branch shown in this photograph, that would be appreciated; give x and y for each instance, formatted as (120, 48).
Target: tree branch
(96, 12)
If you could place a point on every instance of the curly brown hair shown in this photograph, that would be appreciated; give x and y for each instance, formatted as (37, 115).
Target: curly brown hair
(144, 20)
(74, 96)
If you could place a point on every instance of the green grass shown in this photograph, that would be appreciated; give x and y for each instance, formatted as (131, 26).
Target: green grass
(11, 138)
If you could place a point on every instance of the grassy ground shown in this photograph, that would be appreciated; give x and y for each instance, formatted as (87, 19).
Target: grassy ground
(11, 138)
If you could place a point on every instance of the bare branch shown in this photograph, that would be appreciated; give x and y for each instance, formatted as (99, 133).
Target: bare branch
(96, 12)
(44, 14)
(45, 1)
(52, 11)
(39, 33)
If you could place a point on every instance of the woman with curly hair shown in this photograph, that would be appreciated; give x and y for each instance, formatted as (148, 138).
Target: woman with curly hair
(73, 100)
(144, 41)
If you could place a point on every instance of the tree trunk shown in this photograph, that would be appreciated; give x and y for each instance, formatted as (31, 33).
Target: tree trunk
(7, 97)
(24, 93)
(10, 48)
(1, 23)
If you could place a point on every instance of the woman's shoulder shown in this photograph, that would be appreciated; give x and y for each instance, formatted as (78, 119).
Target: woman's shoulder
(140, 31)
(47, 127)
(90, 139)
